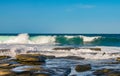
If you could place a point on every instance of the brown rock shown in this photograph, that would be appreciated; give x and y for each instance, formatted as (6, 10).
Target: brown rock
(71, 57)
(82, 68)
(106, 72)
(30, 57)
(102, 71)
(4, 57)
(42, 74)
(64, 48)
(118, 59)
(70, 48)
(95, 49)
(5, 72)
(114, 73)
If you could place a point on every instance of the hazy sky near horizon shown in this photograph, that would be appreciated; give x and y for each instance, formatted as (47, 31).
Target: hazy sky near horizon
(59, 16)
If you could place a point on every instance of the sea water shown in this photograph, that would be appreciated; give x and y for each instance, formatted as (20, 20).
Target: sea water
(45, 44)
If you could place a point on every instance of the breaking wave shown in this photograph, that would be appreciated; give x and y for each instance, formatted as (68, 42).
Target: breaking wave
(59, 39)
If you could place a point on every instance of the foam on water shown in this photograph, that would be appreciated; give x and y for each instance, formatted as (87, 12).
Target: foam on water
(41, 44)
(89, 39)
(43, 39)
(105, 53)
(26, 39)
(61, 39)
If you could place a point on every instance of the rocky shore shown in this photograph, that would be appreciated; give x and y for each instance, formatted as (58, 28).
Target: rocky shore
(33, 65)
(38, 64)
(29, 65)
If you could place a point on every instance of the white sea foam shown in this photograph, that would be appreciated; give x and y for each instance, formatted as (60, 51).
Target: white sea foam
(89, 39)
(26, 39)
(69, 36)
(21, 39)
(105, 53)
(85, 38)
(43, 39)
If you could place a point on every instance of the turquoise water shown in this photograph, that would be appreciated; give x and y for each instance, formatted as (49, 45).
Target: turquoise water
(63, 39)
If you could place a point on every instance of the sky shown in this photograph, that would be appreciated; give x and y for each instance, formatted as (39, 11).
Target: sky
(59, 16)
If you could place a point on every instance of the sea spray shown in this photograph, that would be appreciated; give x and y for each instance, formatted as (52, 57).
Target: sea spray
(85, 52)
(74, 40)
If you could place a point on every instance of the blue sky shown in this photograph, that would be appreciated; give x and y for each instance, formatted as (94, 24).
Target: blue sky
(59, 16)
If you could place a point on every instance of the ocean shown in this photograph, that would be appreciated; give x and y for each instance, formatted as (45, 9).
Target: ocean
(62, 39)
(78, 45)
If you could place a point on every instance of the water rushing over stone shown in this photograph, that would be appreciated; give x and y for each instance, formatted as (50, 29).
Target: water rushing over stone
(60, 59)
(57, 51)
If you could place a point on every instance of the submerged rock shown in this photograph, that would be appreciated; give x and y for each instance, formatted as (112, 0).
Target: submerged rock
(42, 71)
(26, 73)
(64, 48)
(114, 73)
(49, 56)
(70, 48)
(107, 72)
(116, 62)
(71, 57)
(21, 69)
(82, 68)
(102, 71)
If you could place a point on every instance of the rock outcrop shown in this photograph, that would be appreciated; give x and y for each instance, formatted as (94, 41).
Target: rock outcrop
(82, 68)
(118, 59)
(107, 72)
(30, 59)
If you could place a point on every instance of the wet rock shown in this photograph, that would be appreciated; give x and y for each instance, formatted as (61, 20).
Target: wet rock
(42, 71)
(5, 66)
(49, 56)
(82, 68)
(26, 73)
(95, 49)
(116, 62)
(42, 74)
(30, 57)
(32, 69)
(102, 72)
(71, 57)
(64, 48)
(118, 59)
(4, 57)
(54, 71)
(114, 73)
(8, 72)
(9, 64)
(70, 48)
(60, 71)
(5, 72)
(107, 72)
(67, 72)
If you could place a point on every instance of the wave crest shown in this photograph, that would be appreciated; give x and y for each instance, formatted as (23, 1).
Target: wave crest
(61, 39)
